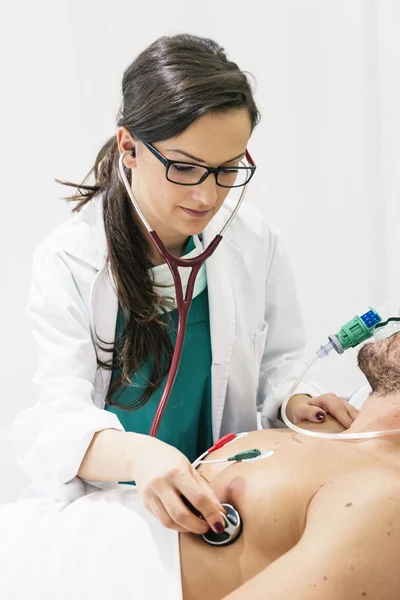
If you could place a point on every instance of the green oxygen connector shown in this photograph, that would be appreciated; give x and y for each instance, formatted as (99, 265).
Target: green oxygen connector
(245, 455)
(352, 333)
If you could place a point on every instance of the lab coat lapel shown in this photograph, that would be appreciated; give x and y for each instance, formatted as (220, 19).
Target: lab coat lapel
(104, 310)
(103, 300)
(221, 267)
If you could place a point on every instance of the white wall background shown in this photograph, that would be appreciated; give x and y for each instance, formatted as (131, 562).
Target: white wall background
(327, 149)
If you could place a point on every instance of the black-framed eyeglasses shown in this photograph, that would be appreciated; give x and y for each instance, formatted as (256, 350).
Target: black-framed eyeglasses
(185, 173)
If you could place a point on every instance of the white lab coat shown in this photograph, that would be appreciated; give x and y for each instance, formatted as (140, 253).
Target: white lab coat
(256, 336)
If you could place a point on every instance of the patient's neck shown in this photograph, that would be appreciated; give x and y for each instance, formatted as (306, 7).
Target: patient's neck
(379, 412)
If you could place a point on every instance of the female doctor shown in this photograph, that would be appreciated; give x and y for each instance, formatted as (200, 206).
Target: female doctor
(102, 310)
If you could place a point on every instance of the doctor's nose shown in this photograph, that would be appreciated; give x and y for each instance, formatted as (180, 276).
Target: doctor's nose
(206, 192)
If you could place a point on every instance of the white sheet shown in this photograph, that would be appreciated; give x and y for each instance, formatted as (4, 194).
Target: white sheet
(101, 546)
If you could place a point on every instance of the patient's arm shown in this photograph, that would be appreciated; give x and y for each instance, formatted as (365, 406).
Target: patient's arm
(349, 549)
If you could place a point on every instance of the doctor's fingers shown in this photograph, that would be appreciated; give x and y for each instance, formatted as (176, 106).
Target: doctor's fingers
(353, 412)
(202, 497)
(156, 507)
(307, 412)
(342, 414)
(337, 407)
(180, 514)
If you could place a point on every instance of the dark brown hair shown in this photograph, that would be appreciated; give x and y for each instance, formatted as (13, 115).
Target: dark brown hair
(168, 86)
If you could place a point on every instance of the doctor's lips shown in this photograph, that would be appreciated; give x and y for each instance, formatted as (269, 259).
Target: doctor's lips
(198, 214)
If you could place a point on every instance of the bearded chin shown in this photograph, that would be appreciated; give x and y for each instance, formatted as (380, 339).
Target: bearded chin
(381, 374)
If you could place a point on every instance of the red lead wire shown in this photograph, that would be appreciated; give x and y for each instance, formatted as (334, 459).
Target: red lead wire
(222, 442)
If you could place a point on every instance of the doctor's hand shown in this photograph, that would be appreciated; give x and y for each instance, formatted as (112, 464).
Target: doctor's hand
(331, 410)
(163, 474)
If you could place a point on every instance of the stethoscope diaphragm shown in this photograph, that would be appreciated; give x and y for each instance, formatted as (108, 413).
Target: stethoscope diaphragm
(233, 528)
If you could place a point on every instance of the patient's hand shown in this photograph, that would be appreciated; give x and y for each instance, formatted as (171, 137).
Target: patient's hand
(323, 413)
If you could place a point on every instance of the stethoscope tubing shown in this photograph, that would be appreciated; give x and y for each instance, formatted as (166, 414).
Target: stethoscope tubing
(183, 303)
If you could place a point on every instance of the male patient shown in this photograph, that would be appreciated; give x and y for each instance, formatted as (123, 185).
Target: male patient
(321, 517)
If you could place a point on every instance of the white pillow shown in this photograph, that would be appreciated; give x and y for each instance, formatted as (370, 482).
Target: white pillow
(358, 398)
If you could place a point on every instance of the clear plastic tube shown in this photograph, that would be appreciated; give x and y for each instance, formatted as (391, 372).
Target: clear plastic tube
(323, 435)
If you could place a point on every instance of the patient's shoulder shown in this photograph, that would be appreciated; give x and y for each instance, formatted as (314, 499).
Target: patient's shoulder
(349, 547)
(359, 494)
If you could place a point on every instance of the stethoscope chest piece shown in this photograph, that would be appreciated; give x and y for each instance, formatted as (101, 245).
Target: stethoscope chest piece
(233, 529)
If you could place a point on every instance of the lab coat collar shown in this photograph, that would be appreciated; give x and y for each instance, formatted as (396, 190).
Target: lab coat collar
(84, 236)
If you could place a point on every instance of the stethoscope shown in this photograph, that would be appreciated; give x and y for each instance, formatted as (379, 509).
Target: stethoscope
(233, 522)
(182, 303)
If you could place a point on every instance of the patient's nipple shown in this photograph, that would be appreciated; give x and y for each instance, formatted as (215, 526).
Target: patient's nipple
(236, 489)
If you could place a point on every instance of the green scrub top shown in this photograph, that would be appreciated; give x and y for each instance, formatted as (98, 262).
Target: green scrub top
(186, 423)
